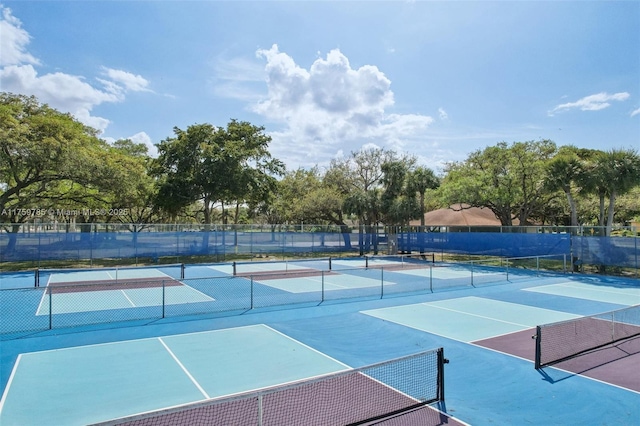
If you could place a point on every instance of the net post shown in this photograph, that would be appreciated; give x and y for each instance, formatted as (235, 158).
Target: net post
(234, 270)
(37, 278)
(329, 262)
(431, 278)
(182, 268)
(366, 261)
(260, 410)
(433, 258)
(441, 362)
(538, 338)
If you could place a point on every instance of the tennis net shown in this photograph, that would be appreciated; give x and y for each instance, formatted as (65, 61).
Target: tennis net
(351, 397)
(561, 341)
(115, 274)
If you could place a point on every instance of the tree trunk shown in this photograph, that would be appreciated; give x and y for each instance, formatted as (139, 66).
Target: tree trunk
(612, 201)
(572, 207)
(601, 216)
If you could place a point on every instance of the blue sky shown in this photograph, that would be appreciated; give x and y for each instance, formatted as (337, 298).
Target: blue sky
(432, 79)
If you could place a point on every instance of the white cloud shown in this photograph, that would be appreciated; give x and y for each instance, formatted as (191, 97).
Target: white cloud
(142, 137)
(126, 80)
(635, 112)
(442, 114)
(238, 78)
(14, 41)
(65, 92)
(332, 106)
(592, 102)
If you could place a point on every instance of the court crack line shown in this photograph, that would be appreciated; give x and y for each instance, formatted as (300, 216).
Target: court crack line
(193, 380)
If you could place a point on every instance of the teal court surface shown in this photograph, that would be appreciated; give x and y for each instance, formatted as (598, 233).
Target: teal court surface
(126, 296)
(92, 373)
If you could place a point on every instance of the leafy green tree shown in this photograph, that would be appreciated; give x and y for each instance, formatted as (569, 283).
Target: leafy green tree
(40, 146)
(420, 181)
(564, 172)
(609, 175)
(398, 199)
(509, 180)
(208, 165)
(135, 195)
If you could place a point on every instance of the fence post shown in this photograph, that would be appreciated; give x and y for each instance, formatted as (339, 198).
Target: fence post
(507, 266)
(163, 299)
(260, 409)
(251, 305)
(50, 307)
(635, 242)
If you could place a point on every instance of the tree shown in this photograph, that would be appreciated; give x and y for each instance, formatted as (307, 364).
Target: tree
(509, 180)
(40, 146)
(612, 173)
(207, 165)
(398, 199)
(136, 193)
(420, 181)
(564, 172)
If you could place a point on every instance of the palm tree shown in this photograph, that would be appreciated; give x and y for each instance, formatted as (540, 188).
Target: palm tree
(611, 174)
(420, 180)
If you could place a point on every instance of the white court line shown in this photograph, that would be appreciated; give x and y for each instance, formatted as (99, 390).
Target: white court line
(193, 380)
(326, 282)
(475, 315)
(130, 301)
(44, 295)
(211, 299)
(9, 382)
(306, 346)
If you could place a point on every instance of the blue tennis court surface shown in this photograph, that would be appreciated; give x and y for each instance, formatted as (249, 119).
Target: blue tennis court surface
(88, 374)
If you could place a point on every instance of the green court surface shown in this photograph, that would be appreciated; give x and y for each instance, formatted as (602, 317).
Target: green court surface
(468, 319)
(327, 282)
(94, 383)
(86, 291)
(100, 300)
(258, 267)
(611, 294)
